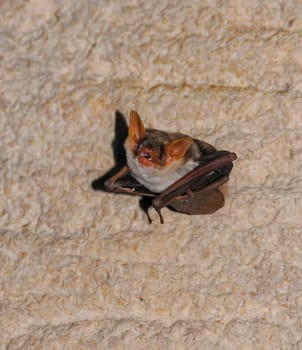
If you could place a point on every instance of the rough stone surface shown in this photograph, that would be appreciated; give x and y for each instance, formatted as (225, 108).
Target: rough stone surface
(81, 269)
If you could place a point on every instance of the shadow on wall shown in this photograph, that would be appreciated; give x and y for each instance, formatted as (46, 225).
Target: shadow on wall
(119, 154)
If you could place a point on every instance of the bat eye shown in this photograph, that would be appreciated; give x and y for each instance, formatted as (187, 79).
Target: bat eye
(161, 156)
(146, 155)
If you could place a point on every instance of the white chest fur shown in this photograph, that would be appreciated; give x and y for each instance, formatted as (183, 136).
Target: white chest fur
(157, 180)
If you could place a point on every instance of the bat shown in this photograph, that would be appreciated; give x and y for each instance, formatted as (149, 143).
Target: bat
(174, 169)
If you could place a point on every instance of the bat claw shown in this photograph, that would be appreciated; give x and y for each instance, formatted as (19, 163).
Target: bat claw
(185, 197)
(109, 184)
(158, 210)
(114, 186)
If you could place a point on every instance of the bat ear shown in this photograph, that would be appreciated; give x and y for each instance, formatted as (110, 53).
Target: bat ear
(136, 129)
(176, 149)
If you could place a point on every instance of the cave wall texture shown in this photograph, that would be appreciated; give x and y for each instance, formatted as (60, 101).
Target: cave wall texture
(83, 269)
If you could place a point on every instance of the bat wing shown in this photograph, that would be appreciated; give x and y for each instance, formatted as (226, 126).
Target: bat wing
(199, 203)
(198, 191)
(195, 193)
(196, 204)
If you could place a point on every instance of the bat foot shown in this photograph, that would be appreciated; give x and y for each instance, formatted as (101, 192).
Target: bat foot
(157, 206)
(158, 210)
(145, 204)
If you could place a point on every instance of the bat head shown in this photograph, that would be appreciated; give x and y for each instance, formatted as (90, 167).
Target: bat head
(150, 150)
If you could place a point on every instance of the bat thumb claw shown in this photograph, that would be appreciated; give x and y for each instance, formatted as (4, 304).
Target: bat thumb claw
(110, 185)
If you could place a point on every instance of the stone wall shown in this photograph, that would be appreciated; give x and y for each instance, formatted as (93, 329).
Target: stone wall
(83, 269)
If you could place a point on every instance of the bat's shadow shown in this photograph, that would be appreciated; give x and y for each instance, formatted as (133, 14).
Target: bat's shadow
(119, 154)
(121, 133)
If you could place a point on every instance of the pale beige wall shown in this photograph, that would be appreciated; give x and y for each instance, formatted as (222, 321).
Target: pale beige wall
(81, 269)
